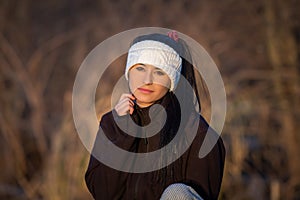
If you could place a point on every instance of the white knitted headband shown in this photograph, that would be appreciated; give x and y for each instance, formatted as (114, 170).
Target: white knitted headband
(157, 54)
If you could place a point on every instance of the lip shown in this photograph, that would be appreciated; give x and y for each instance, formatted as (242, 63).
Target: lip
(146, 91)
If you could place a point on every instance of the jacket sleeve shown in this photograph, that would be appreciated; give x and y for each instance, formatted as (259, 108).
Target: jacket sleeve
(205, 174)
(103, 181)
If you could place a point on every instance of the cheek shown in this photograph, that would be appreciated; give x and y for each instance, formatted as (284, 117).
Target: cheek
(162, 91)
(165, 82)
(165, 91)
(132, 87)
(135, 79)
(130, 80)
(134, 83)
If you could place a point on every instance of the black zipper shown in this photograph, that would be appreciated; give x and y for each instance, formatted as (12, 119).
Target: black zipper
(146, 142)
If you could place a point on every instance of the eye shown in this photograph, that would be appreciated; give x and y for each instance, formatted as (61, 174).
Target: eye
(140, 68)
(160, 73)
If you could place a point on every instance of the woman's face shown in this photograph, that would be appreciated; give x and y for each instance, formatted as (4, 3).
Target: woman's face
(148, 84)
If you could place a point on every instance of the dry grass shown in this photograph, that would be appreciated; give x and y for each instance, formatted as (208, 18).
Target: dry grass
(255, 45)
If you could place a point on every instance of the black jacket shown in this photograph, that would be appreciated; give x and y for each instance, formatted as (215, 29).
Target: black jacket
(204, 175)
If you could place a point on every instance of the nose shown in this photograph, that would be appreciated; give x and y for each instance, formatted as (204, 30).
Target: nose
(148, 78)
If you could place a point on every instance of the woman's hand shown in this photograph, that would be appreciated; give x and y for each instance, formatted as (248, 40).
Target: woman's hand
(125, 104)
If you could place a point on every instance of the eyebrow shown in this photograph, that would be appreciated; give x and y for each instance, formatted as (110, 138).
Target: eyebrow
(146, 65)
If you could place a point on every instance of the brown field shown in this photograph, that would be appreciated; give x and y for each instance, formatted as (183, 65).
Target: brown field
(255, 44)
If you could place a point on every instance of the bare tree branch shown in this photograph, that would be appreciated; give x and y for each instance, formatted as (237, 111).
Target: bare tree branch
(33, 95)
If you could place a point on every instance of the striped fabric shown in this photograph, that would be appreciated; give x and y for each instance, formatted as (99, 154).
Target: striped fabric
(180, 191)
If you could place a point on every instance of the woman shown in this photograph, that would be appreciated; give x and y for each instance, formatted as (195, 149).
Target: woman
(155, 71)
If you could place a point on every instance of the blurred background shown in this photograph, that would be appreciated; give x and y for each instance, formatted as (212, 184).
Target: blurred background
(255, 45)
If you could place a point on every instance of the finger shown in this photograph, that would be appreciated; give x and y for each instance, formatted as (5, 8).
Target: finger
(131, 109)
(122, 111)
(126, 95)
(132, 97)
(125, 101)
(124, 108)
(131, 102)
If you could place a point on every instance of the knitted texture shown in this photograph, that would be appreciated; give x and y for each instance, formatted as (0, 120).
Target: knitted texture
(157, 54)
(180, 191)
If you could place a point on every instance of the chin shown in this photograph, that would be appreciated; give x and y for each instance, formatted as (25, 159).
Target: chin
(144, 100)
